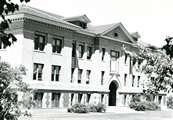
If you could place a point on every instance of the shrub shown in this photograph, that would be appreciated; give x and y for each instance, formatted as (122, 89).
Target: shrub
(142, 106)
(100, 107)
(170, 102)
(92, 108)
(139, 104)
(82, 108)
(78, 108)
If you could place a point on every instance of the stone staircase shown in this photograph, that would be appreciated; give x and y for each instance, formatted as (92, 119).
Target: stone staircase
(120, 109)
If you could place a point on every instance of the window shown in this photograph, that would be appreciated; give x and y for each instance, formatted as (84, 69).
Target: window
(114, 63)
(55, 73)
(39, 42)
(102, 98)
(125, 97)
(125, 79)
(2, 46)
(114, 55)
(160, 99)
(103, 53)
(133, 80)
(37, 73)
(79, 98)
(88, 76)
(89, 52)
(38, 100)
(125, 59)
(102, 77)
(72, 96)
(55, 99)
(138, 81)
(79, 75)
(56, 45)
(72, 72)
(88, 97)
(73, 49)
(81, 51)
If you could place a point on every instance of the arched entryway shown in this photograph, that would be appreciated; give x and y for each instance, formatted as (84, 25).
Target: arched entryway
(113, 93)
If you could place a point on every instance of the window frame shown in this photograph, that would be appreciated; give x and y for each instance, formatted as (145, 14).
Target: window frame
(80, 75)
(38, 45)
(55, 73)
(88, 73)
(81, 50)
(37, 72)
(57, 48)
(89, 52)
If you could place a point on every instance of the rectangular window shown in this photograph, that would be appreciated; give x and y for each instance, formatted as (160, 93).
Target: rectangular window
(55, 73)
(103, 53)
(114, 63)
(73, 49)
(37, 73)
(125, 79)
(79, 98)
(72, 96)
(89, 52)
(160, 99)
(138, 81)
(79, 75)
(102, 77)
(133, 80)
(72, 72)
(2, 46)
(125, 97)
(88, 98)
(115, 55)
(39, 42)
(38, 100)
(88, 72)
(81, 51)
(55, 100)
(56, 45)
(102, 98)
(125, 58)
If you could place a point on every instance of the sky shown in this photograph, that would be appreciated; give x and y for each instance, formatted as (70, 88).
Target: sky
(152, 19)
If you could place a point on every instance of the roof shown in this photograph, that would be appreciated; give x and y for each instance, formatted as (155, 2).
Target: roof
(100, 29)
(82, 18)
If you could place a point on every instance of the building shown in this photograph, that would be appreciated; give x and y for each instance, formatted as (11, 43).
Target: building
(70, 61)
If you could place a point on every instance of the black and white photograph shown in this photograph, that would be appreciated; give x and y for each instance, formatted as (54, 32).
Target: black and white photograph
(86, 59)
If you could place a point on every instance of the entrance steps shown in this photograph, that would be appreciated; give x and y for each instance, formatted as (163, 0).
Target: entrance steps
(120, 109)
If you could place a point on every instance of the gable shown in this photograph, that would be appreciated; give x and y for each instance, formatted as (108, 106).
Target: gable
(118, 33)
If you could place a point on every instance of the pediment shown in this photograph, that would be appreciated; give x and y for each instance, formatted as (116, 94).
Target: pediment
(118, 32)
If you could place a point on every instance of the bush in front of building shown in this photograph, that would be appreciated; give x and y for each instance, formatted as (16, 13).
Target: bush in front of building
(82, 108)
(139, 104)
(78, 108)
(170, 102)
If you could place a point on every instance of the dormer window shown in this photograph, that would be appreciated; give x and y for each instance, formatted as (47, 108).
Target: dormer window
(80, 21)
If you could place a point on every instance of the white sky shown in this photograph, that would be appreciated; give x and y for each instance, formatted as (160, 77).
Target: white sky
(153, 19)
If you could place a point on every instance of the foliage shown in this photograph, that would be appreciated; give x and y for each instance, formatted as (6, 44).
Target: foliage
(82, 108)
(6, 7)
(78, 108)
(170, 102)
(10, 84)
(155, 63)
(140, 102)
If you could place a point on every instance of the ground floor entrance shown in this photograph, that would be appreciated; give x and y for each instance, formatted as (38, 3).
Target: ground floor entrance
(113, 93)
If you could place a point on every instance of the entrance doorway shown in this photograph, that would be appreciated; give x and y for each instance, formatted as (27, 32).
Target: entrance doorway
(113, 93)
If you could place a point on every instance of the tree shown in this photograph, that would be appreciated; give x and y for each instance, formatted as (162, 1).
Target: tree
(157, 62)
(6, 7)
(10, 85)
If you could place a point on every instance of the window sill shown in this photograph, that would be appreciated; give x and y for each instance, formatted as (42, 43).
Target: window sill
(80, 58)
(59, 54)
(3, 49)
(39, 51)
(89, 60)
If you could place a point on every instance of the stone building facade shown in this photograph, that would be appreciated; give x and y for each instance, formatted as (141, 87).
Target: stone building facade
(70, 61)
